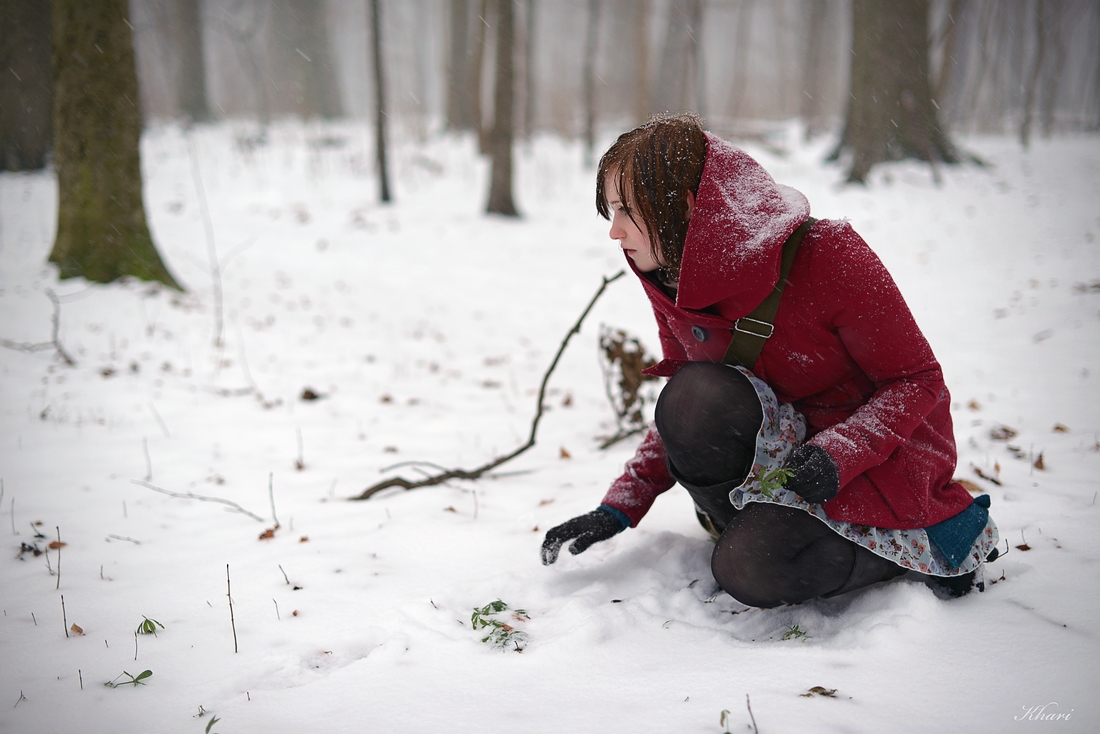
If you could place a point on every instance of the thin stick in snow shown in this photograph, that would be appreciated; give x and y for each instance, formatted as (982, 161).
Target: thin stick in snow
(192, 496)
(163, 425)
(215, 266)
(277, 616)
(300, 463)
(749, 705)
(271, 495)
(229, 593)
(442, 477)
(148, 461)
(54, 342)
(59, 544)
(64, 618)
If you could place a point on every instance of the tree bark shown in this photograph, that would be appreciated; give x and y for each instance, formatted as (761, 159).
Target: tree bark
(302, 33)
(672, 81)
(500, 140)
(379, 101)
(458, 66)
(101, 230)
(592, 34)
(641, 61)
(811, 102)
(1031, 88)
(890, 114)
(191, 72)
(26, 88)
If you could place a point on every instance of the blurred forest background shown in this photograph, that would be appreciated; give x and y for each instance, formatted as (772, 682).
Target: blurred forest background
(890, 79)
(994, 65)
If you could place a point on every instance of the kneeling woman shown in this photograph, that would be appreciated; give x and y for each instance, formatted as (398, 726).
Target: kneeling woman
(815, 439)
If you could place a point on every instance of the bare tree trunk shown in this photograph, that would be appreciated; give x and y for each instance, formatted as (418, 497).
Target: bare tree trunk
(641, 63)
(740, 58)
(950, 47)
(379, 100)
(890, 110)
(1030, 90)
(26, 87)
(811, 107)
(672, 79)
(500, 140)
(305, 56)
(458, 66)
(476, 63)
(1054, 77)
(591, 37)
(529, 71)
(242, 31)
(696, 52)
(101, 229)
(191, 69)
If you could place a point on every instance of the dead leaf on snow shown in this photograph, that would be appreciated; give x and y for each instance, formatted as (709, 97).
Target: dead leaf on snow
(1039, 462)
(267, 534)
(969, 486)
(55, 544)
(565, 454)
(1002, 433)
(546, 502)
(304, 539)
(819, 691)
(983, 475)
(974, 405)
(76, 629)
(1060, 428)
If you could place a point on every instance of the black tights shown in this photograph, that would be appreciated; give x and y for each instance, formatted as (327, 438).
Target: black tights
(708, 416)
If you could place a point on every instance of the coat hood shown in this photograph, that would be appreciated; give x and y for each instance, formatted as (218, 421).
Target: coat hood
(740, 221)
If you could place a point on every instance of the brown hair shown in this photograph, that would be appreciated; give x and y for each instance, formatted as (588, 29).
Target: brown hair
(656, 165)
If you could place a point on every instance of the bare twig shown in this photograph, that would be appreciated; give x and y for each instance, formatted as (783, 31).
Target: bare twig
(13, 530)
(442, 477)
(622, 435)
(64, 618)
(271, 495)
(54, 342)
(163, 425)
(215, 265)
(81, 676)
(229, 593)
(277, 615)
(749, 705)
(148, 461)
(192, 496)
(59, 544)
(135, 645)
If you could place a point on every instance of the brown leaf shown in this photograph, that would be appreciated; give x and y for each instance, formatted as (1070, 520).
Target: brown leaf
(819, 691)
(974, 405)
(267, 534)
(543, 503)
(299, 464)
(304, 539)
(968, 485)
(76, 629)
(1023, 547)
(535, 529)
(1039, 462)
(567, 400)
(449, 508)
(1060, 428)
(983, 475)
(309, 394)
(294, 613)
(1002, 433)
(55, 544)
(565, 454)
(386, 399)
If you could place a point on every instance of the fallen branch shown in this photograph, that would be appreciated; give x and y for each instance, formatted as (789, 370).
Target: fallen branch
(443, 476)
(54, 343)
(192, 496)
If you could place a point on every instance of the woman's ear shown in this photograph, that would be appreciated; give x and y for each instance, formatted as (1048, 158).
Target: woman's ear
(689, 203)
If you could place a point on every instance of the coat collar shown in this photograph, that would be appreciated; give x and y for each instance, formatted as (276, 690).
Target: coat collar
(735, 239)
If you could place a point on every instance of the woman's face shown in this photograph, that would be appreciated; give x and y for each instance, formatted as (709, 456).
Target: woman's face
(634, 242)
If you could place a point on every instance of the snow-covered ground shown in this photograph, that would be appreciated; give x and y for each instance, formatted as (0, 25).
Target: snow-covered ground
(425, 327)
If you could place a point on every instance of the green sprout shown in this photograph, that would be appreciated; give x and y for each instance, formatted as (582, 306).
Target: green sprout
(149, 626)
(773, 480)
(501, 634)
(212, 722)
(135, 681)
(794, 633)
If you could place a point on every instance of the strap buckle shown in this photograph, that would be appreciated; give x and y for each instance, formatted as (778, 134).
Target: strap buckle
(770, 328)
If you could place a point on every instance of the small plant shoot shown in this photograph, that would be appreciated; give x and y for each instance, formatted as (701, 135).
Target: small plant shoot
(773, 480)
(794, 633)
(502, 635)
(135, 680)
(149, 627)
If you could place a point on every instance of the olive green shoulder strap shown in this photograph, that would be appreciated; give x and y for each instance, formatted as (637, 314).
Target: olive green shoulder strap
(750, 332)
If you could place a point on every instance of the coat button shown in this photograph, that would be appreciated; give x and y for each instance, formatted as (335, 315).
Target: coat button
(699, 333)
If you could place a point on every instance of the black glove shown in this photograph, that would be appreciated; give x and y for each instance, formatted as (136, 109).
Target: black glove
(814, 476)
(591, 528)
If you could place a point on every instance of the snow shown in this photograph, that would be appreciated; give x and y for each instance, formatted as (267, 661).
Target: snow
(426, 327)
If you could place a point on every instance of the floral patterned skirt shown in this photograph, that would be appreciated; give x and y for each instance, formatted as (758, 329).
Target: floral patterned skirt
(782, 429)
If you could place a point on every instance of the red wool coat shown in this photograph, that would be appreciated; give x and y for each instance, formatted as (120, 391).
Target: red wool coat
(845, 351)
